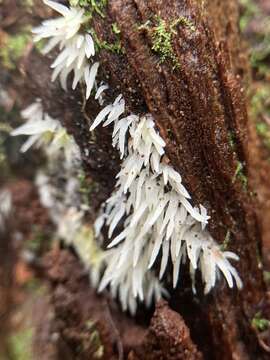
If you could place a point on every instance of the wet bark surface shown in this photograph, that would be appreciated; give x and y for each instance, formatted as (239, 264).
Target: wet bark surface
(197, 108)
(201, 112)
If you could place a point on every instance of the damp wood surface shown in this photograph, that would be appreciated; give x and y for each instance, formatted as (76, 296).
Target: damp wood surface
(199, 107)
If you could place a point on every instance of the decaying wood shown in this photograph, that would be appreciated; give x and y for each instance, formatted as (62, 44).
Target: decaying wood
(199, 108)
(168, 337)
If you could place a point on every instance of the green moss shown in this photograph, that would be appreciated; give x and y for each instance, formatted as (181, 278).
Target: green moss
(91, 6)
(250, 9)
(260, 102)
(162, 34)
(115, 29)
(260, 49)
(162, 42)
(263, 130)
(260, 323)
(40, 45)
(260, 109)
(12, 49)
(114, 47)
(260, 55)
(231, 139)
(239, 175)
(20, 345)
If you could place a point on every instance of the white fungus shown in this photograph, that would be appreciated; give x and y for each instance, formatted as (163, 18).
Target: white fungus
(67, 211)
(155, 209)
(76, 48)
(149, 215)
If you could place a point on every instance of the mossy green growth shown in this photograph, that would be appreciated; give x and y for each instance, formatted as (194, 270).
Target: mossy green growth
(162, 42)
(260, 323)
(239, 174)
(260, 110)
(261, 51)
(260, 54)
(260, 103)
(162, 34)
(263, 130)
(13, 48)
(250, 10)
(114, 47)
(231, 138)
(40, 45)
(20, 345)
(115, 29)
(91, 6)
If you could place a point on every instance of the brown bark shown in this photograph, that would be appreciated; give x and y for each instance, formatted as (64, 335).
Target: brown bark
(168, 337)
(198, 108)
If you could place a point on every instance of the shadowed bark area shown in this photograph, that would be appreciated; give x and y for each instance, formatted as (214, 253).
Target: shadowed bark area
(200, 110)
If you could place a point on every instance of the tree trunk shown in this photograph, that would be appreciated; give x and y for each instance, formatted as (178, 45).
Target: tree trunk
(201, 111)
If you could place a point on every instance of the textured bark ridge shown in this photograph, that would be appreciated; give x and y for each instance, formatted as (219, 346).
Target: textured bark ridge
(200, 111)
(169, 337)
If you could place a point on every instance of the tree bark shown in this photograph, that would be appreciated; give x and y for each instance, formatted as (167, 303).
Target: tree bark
(201, 112)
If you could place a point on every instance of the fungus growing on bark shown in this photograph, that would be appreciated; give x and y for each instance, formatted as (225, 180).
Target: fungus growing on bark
(150, 207)
(75, 48)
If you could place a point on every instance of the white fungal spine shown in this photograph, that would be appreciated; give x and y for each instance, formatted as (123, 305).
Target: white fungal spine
(156, 209)
(76, 49)
(67, 212)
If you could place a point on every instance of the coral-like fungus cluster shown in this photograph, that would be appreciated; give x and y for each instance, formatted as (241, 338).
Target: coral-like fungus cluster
(149, 216)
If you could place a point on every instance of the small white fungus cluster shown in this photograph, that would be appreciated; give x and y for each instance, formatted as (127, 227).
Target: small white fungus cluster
(155, 210)
(150, 216)
(67, 210)
(46, 133)
(63, 200)
(76, 48)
